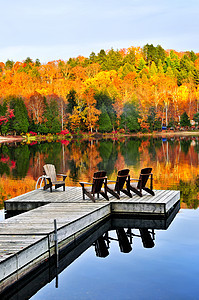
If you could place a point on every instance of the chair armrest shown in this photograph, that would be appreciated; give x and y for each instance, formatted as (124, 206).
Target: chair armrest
(146, 174)
(63, 175)
(83, 183)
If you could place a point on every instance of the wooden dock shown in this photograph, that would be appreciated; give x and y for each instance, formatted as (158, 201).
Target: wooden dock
(28, 239)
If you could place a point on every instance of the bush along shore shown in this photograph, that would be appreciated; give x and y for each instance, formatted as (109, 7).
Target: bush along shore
(65, 136)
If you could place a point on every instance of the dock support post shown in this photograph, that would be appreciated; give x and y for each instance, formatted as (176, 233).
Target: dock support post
(56, 251)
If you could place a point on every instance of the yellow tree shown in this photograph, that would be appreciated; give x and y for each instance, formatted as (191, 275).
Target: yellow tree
(75, 118)
(181, 98)
(90, 113)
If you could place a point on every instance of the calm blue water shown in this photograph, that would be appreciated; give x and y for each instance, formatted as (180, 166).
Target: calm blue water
(169, 270)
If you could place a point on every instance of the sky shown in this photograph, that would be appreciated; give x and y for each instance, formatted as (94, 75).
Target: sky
(60, 29)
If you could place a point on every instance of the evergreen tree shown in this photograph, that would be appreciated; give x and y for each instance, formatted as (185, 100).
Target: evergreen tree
(71, 98)
(104, 120)
(92, 58)
(184, 120)
(130, 58)
(52, 115)
(196, 118)
(113, 60)
(9, 64)
(101, 59)
(153, 53)
(129, 118)
(103, 98)
(154, 122)
(141, 64)
(20, 122)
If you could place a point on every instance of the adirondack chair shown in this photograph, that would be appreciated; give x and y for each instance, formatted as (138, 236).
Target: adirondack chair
(99, 179)
(137, 188)
(51, 177)
(123, 178)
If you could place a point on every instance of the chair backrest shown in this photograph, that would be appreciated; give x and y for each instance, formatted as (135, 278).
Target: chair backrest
(98, 179)
(121, 179)
(144, 176)
(50, 171)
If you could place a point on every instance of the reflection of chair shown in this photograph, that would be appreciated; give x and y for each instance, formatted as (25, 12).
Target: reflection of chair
(101, 247)
(124, 243)
(99, 179)
(141, 185)
(147, 240)
(51, 177)
(123, 177)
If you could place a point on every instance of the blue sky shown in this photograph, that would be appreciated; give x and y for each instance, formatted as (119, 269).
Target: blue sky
(61, 29)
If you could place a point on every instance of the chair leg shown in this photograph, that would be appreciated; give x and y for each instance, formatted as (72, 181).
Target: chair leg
(83, 194)
(104, 195)
(113, 193)
(89, 195)
(136, 191)
(126, 193)
(149, 191)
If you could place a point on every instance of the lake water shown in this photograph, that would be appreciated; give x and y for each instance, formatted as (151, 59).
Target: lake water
(169, 270)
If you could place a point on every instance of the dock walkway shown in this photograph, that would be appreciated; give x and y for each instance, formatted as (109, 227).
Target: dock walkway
(28, 239)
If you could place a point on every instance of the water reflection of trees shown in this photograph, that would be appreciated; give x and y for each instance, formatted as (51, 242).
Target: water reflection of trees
(174, 161)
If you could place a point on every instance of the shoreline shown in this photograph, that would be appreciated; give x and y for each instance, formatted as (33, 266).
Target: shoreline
(11, 139)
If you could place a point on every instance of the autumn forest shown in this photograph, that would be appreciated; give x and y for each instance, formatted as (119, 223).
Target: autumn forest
(127, 90)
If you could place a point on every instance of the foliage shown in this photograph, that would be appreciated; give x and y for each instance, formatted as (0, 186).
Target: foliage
(129, 118)
(184, 120)
(51, 116)
(164, 82)
(20, 121)
(105, 124)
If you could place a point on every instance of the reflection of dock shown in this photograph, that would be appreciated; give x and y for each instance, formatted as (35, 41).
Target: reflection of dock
(28, 239)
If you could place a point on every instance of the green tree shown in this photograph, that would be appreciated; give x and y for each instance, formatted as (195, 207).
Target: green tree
(9, 64)
(103, 98)
(154, 122)
(105, 124)
(196, 118)
(101, 59)
(51, 114)
(130, 58)
(153, 53)
(141, 64)
(129, 118)
(92, 57)
(20, 122)
(113, 60)
(71, 101)
(184, 120)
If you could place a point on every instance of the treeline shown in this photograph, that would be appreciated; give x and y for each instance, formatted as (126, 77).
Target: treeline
(134, 89)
